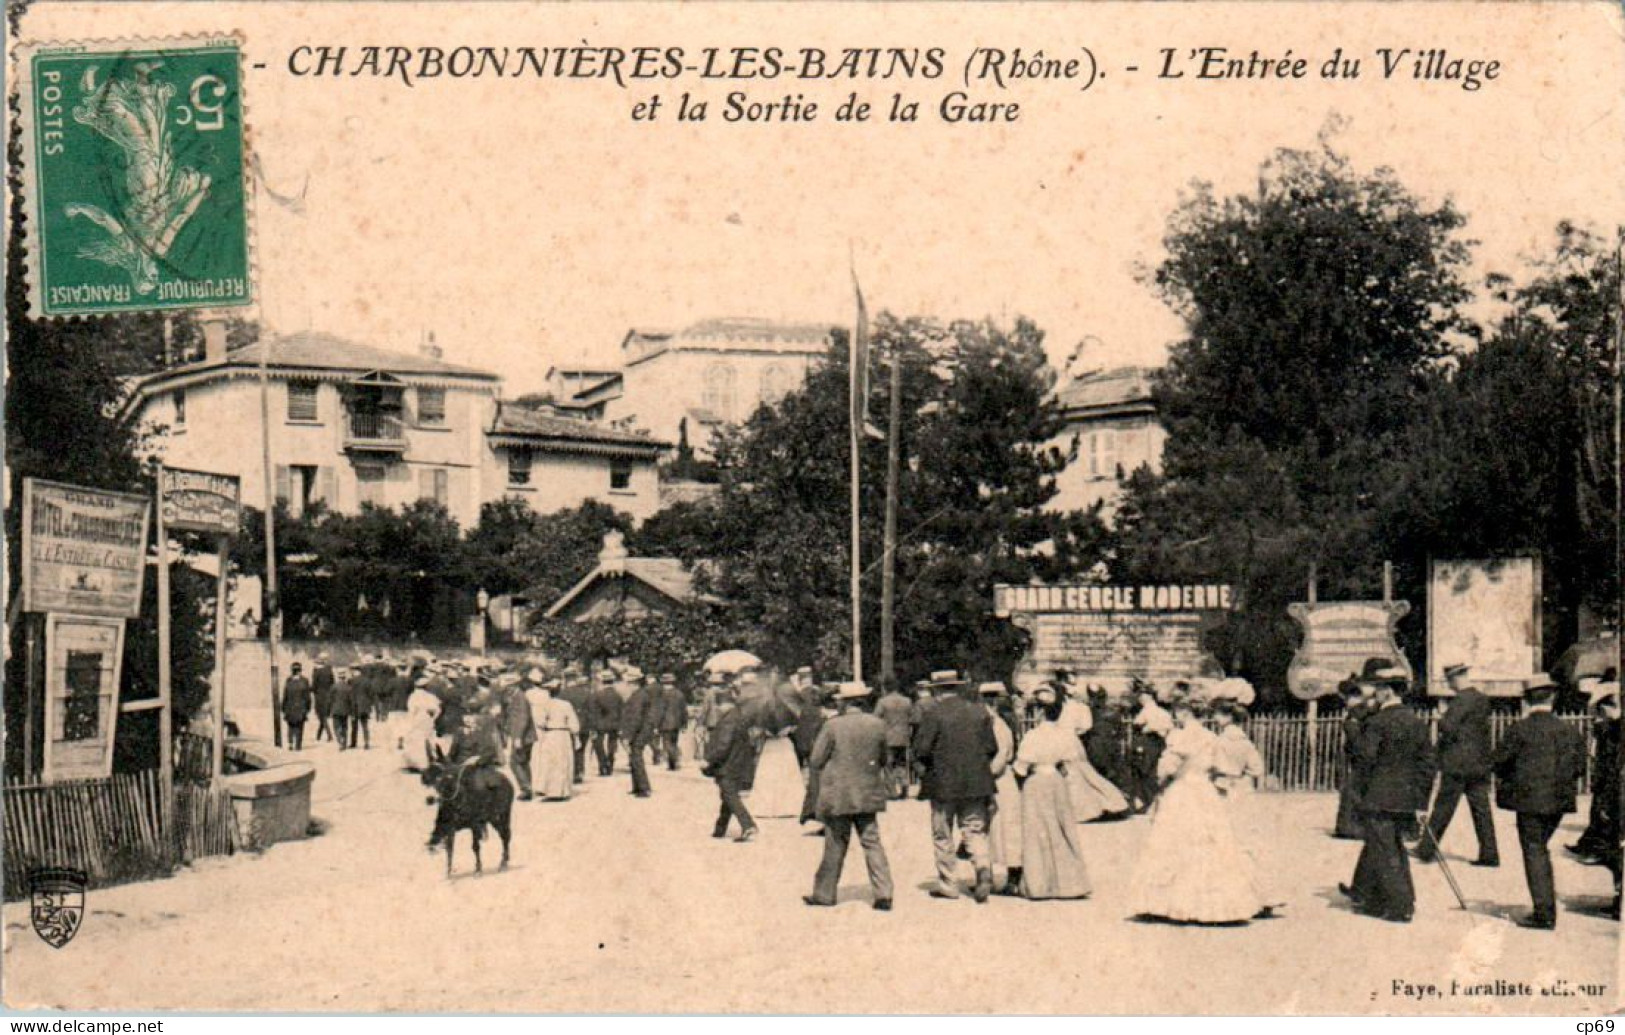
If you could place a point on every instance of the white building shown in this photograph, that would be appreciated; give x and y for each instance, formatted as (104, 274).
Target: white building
(1112, 418)
(697, 379)
(352, 424)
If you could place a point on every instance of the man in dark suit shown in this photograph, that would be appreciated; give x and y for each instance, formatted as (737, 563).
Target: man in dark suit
(1356, 708)
(638, 728)
(955, 743)
(1393, 774)
(1539, 764)
(847, 760)
(1464, 768)
(605, 721)
(730, 760)
(321, 688)
(673, 717)
(578, 692)
(296, 695)
(518, 725)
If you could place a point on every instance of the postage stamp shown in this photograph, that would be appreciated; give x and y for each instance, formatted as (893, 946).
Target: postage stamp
(133, 176)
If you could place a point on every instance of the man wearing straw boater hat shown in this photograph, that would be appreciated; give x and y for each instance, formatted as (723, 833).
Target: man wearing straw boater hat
(955, 742)
(1464, 768)
(847, 761)
(1393, 774)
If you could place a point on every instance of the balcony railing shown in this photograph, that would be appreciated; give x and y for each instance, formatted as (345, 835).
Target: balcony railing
(374, 431)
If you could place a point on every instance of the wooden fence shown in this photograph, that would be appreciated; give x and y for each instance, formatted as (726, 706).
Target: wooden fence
(1297, 760)
(113, 829)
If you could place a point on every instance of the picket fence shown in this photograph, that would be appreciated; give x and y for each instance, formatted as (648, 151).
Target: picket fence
(113, 829)
(1296, 759)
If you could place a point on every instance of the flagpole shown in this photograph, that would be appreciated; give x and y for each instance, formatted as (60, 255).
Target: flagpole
(857, 362)
(888, 555)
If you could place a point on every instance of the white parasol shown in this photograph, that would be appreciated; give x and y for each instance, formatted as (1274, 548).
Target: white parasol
(731, 662)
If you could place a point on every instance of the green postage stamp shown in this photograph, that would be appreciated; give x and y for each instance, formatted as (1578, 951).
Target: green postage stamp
(133, 177)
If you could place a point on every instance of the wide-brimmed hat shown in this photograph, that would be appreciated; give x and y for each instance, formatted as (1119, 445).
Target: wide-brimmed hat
(507, 679)
(850, 691)
(994, 689)
(946, 677)
(1540, 682)
(1383, 671)
(606, 675)
(1456, 669)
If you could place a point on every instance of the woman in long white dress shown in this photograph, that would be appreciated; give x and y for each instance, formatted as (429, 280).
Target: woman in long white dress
(557, 726)
(1192, 867)
(1239, 770)
(422, 709)
(1093, 796)
(779, 789)
(1051, 857)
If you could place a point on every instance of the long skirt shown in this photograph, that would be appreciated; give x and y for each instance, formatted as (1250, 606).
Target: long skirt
(1093, 795)
(553, 765)
(1192, 866)
(779, 789)
(415, 742)
(1241, 801)
(1051, 857)
(1004, 832)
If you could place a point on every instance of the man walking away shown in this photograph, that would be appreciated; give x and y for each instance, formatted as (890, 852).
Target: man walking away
(1538, 765)
(955, 743)
(730, 759)
(1464, 768)
(578, 694)
(518, 726)
(321, 688)
(296, 706)
(847, 761)
(893, 710)
(673, 717)
(606, 721)
(638, 729)
(1394, 772)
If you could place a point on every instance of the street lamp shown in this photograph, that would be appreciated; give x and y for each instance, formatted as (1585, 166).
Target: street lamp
(482, 601)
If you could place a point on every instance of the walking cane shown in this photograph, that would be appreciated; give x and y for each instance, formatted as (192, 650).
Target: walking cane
(1444, 867)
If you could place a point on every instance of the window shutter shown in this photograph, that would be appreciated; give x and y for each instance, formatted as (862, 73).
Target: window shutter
(327, 485)
(283, 484)
(426, 483)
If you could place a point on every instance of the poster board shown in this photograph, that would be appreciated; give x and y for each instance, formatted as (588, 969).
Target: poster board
(1114, 632)
(200, 501)
(1485, 614)
(84, 550)
(83, 661)
(1338, 638)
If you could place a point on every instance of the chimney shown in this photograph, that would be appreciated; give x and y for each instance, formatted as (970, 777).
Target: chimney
(429, 348)
(214, 339)
(612, 558)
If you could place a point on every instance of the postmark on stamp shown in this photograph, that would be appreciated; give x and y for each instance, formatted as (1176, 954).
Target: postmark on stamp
(133, 176)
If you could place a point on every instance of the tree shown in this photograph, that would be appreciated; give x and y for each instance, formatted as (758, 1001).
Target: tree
(678, 642)
(978, 425)
(539, 556)
(1320, 312)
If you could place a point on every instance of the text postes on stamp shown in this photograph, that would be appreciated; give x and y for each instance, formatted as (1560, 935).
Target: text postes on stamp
(133, 176)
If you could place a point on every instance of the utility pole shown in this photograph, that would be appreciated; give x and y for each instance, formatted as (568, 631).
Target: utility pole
(272, 606)
(888, 557)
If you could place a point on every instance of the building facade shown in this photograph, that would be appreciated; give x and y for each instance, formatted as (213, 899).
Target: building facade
(1111, 418)
(711, 374)
(351, 424)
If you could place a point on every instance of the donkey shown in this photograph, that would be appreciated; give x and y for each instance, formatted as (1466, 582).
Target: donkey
(469, 798)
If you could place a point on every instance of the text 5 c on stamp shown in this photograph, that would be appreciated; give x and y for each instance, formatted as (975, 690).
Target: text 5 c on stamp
(133, 176)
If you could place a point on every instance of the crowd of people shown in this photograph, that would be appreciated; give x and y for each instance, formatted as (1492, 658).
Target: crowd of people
(1010, 777)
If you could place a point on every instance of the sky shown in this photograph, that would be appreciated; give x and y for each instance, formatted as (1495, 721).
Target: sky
(529, 222)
